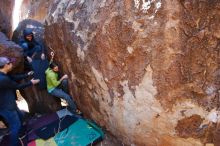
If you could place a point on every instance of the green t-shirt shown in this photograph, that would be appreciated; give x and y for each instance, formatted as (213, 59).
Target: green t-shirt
(52, 80)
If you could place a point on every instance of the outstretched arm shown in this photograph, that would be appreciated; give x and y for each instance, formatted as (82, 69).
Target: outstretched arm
(6, 83)
(19, 77)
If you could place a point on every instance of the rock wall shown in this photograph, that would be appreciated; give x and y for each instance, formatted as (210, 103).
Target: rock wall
(147, 71)
(11, 50)
(35, 9)
(6, 10)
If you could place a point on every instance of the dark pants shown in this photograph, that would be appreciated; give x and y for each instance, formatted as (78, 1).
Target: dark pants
(13, 121)
(62, 92)
(39, 67)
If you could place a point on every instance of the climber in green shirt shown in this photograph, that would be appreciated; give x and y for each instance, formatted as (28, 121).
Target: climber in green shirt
(59, 87)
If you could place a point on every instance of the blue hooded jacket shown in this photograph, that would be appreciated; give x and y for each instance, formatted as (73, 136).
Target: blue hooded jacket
(34, 50)
(31, 48)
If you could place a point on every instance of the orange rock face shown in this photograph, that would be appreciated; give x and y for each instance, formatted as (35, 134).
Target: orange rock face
(6, 17)
(142, 69)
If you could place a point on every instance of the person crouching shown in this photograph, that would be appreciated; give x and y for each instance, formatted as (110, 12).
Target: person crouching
(59, 87)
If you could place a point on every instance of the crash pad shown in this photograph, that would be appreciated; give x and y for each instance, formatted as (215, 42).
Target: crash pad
(80, 133)
(41, 142)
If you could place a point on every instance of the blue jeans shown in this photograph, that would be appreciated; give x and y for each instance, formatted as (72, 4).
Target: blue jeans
(60, 92)
(13, 121)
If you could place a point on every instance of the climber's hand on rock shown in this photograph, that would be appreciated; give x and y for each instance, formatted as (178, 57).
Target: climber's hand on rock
(29, 59)
(30, 73)
(65, 77)
(35, 81)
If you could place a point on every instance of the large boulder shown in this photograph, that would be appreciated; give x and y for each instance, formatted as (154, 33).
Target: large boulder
(6, 11)
(146, 70)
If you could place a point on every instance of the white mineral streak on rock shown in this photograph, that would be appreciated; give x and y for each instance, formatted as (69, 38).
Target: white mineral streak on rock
(82, 1)
(137, 3)
(158, 5)
(103, 93)
(80, 54)
(76, 24)
(146, 6)
(210, 90)
(213, 116)
(136, 26)
(68, 16)
(130, 49)
(151, 17)
(102, 3)
(86, 38)
(128, 112)
(59, 9)
(138, 111)
(100, 80)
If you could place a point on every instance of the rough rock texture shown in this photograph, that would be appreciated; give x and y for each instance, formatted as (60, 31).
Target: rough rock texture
(11, 50)
(35, 9)
(145, 70)
(186, 130)
(38, 99)
(6, 8)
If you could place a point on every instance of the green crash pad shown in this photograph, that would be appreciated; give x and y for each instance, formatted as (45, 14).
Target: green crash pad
(81, 133)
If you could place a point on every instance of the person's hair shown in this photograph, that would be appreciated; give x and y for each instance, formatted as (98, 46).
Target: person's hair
(52, 65)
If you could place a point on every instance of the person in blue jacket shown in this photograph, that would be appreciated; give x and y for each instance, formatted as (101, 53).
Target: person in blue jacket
(8, 107)
(34, 57)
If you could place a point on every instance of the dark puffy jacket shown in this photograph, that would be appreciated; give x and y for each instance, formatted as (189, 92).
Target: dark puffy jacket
(8, 87)
(34, 50)
(31, 48)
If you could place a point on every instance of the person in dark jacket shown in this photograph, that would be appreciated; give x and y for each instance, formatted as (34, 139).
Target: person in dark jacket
(8, 108)
(34, 57)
